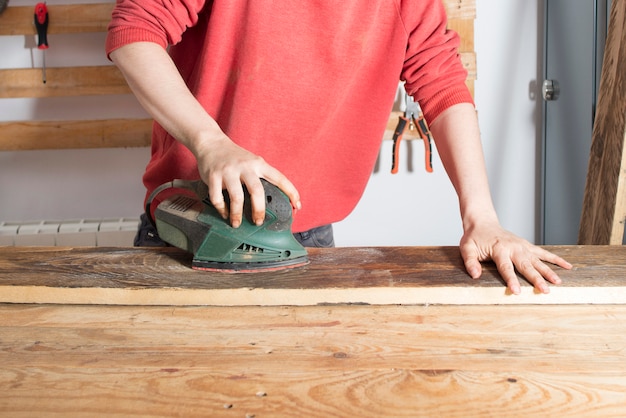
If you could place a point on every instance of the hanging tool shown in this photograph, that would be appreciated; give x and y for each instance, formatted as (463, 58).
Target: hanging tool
(414, 118)
(41, 23)
(3, 5)
(189, 221)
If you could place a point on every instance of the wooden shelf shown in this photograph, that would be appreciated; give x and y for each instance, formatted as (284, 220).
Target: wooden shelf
(103, 80)
(108, 133)
(68, 18)
(64, 81)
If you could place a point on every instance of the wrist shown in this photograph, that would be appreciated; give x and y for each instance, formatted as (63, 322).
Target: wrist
(478, 215)
(202, 141)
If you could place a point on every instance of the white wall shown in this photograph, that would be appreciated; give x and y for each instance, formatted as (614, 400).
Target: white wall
(67, 184)
(421, 209)
(410, 208)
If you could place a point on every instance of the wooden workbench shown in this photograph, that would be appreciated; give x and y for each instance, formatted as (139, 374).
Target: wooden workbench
(530, 355)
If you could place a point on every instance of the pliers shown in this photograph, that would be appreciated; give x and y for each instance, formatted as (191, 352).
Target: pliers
(414, 118)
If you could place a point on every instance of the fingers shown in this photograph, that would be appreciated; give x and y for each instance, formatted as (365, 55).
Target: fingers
(226, 166)
(554, 259)
(278, 179)
(257, 199)
(471, 260)
(530, 266)
(233, 185)
(216, 196)
(514, 257)
(233, 211)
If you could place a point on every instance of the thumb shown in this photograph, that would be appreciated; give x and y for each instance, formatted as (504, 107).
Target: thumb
(471, 261)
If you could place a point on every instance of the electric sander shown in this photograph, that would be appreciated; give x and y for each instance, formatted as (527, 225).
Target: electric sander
(189, 221)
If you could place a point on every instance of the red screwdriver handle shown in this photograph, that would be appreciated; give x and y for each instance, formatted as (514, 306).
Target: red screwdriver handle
(41, 23)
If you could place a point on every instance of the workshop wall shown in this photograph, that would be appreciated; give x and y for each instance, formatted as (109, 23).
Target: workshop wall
(410, 208)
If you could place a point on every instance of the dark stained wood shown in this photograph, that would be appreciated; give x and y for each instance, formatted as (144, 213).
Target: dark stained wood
(604, 205)
(170, 267)
(340, 275)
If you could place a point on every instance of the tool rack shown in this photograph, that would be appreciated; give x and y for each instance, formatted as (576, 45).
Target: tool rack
(107, 80)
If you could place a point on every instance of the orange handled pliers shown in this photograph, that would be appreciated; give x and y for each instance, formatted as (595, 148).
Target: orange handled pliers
(414, 118)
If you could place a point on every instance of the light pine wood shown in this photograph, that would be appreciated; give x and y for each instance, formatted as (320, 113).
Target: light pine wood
(604, 205)
(376, 276)
(460, 9)
(318, 361)
(106, 133)
(64, 18)
(64, 81)
(465, 29)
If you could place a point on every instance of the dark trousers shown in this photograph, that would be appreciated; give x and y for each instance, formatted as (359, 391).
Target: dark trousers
(321, 236)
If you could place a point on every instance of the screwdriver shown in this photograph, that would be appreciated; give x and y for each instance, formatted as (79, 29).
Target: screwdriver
(41, 23)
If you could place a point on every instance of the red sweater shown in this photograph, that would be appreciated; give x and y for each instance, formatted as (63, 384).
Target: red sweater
(308, 85)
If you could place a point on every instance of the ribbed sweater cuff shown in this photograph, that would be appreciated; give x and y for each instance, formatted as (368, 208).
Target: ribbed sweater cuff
(447, 97)
(118, 37)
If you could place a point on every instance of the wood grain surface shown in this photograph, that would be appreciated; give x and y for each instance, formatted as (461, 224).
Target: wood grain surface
(68, 134)
(384, 275)
(62, 81)
(604, 205)
(319, 361)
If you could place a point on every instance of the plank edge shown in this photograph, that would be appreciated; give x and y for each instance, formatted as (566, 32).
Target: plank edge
(444, 295)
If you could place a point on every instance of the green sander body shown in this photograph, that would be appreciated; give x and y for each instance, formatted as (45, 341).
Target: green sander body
(190, 222)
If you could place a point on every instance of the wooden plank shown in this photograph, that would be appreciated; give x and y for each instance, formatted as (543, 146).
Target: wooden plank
(108, 133)
(604, 204)
(63, 81)
(465, 29)
(469, 62)
(460, 9)
(64, 18)
(320, 361)
(387, 275)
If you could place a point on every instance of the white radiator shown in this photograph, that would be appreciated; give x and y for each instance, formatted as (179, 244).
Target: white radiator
(118, 232)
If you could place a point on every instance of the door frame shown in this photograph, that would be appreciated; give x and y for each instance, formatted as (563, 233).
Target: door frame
(601, 16)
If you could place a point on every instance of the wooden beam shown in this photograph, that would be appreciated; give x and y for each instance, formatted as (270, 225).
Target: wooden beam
(64, 81)
(108, 133)
(377, 276)
(604, 204)
(64, 18)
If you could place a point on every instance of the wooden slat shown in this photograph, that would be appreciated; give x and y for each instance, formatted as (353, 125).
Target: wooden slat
(388, 275)
(64, 18)
(65, 81)
(469, 62)
(465, 29)
(109, 133)
(604, 204)
(97, 80)
(460, 9)
(319, 361)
